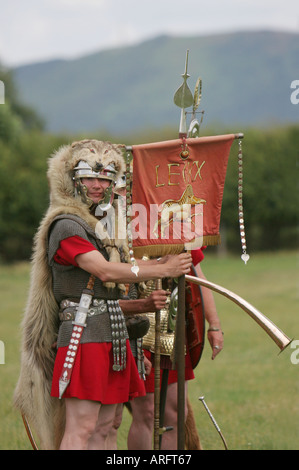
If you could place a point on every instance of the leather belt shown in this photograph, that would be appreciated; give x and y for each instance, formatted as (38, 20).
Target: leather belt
(69, 308)
(69, 303)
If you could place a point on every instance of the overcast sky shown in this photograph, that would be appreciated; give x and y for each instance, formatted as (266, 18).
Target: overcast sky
(38, 30)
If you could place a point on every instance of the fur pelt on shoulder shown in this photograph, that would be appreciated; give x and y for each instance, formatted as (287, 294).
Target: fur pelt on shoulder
(45, 414)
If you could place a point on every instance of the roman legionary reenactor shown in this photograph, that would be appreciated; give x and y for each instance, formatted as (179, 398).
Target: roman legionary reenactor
(76, 360)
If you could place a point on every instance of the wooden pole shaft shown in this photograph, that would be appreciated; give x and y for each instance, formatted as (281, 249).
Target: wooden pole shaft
(157, 377)
(180, 353)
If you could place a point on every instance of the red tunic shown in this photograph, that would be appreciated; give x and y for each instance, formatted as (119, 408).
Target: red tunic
(92, 375)
(197, 255)
(172, 373)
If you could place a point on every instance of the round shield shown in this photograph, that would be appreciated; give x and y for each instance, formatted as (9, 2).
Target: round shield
(195, 321)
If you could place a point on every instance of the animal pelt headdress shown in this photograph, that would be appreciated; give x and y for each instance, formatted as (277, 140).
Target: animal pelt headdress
(44, 413)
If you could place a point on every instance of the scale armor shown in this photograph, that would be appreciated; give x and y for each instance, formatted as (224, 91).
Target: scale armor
(166, 334)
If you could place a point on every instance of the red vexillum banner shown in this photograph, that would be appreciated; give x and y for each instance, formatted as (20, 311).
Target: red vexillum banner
(177, 194)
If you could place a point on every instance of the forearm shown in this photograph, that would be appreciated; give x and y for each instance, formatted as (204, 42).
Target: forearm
(209, 302)
(94, 263)
(210, 308)
(133, 306)
(215, 334)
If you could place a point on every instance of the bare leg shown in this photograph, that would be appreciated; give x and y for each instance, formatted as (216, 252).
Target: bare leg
(169, 439)
(111, 441)
(81, 418)
(141, 431)
(99, 438)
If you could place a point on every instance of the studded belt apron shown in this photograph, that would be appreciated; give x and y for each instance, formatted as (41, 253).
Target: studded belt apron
(79, 324)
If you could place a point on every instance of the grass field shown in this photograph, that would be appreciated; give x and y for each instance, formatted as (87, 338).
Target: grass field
(251, 390)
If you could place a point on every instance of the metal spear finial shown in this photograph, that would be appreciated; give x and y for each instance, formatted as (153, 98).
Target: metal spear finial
(183, 98)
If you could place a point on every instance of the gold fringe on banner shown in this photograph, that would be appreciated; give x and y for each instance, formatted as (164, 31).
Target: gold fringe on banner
(154, 251)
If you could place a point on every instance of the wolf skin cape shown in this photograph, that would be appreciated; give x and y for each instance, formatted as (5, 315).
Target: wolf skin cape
(45, 414)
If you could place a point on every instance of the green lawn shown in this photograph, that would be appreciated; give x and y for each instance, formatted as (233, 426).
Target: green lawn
(251, 390)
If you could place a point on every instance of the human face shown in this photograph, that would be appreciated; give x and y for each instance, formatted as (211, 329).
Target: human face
(95, 188)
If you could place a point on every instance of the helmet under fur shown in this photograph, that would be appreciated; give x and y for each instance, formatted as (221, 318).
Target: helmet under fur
(101, 159)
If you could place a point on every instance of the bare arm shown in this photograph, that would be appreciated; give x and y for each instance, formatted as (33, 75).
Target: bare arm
(155, 301)
(215, 335)
(94, 263)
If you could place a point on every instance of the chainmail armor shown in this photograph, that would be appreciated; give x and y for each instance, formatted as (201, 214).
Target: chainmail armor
(69, 281)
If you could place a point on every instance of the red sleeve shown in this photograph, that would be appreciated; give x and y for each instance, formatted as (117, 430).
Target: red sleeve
(69, 248)
(197, 255)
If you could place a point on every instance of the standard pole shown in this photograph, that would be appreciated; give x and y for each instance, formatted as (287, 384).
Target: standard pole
(180, 360)
(157, 376)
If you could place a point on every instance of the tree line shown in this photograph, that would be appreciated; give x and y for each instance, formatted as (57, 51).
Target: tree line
(270, 199)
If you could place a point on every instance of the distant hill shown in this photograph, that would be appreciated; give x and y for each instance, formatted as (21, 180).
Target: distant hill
(246, 81)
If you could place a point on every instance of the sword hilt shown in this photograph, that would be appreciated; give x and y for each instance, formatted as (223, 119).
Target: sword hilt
(165, 429)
